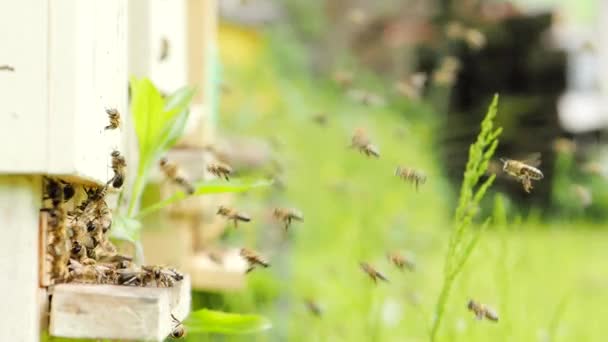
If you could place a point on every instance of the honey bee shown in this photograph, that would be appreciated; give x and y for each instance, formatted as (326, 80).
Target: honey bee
(286, 215)
(372, 272)
(163, 277)
(361, 141)
(114, 117)
(172, 172)
(178, 330)
(6, 67)
(119, 165)
(445, 74)
(366, 98)
(410, 175)
(58, 191)
(233, 215)
(220, 170)
(90, 272)
(164, 49)
(357, 16)
(313, 307)
(320, 118)
(253, 259)
(454, 30)
(475, 39)
(524, 171)
(413, 86)
(343, 79)
(563, 145)
(481, 311)
(584, 195)
(401, 261)
(132, 277)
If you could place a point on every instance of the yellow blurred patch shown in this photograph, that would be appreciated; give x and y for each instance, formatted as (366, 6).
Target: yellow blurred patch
(239, 46)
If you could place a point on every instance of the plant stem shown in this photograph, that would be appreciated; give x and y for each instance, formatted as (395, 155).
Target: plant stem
(441, 303)
(138, 189)
(159, 205)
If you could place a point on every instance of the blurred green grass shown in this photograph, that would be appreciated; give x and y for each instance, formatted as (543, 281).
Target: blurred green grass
(547, 281)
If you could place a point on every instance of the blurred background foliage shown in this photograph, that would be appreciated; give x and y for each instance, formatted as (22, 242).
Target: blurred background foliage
(541, 262)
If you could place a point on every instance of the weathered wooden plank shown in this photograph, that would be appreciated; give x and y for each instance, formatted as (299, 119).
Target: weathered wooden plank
(19, 205)
(117, 312)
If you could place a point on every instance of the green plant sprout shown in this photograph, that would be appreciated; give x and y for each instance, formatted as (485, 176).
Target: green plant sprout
(159, 123)
(464, 238)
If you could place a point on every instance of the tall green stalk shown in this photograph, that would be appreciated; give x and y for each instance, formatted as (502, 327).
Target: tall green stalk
(463, 238)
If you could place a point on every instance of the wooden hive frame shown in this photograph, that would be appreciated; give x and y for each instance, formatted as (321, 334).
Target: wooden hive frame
(69, 63)
(182, 233)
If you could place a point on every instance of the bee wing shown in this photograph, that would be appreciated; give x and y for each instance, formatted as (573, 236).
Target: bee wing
(533, 159)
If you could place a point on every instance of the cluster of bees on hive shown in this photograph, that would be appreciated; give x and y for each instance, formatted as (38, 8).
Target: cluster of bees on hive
(78, 223)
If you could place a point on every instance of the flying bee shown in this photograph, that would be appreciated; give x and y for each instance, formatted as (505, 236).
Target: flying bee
(455, 30)
(343, 79)
(220, 170)
(320, 118)
(525, 171)
(172, 171)
(119, 165)
(474, 38)
(413, 86)
(410, 175)
(178, 330)
(313, 307)
(401, 261)
(253, 259)
(164, 49)
(361, 141)
(482, 310)
(445, 74)
(372, 272)
(366, 98)
(6, 67)
(286, 215)
(233, 215)
(114, 117)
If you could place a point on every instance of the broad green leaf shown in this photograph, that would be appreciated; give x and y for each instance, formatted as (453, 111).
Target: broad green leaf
(177, 130)
(205, 188)
(180, 102)
(128, 229)
(180, 99)
(146, 106)
(125, 228)
(209, 321)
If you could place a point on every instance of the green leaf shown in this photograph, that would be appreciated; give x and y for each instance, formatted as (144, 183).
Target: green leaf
(235, 185)
(205, 188)
(128, 229)
(176, 129)
(125, 228)
(180, 99)
(177, 102)
(159, 123)
(146, 105)
(209, 321)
